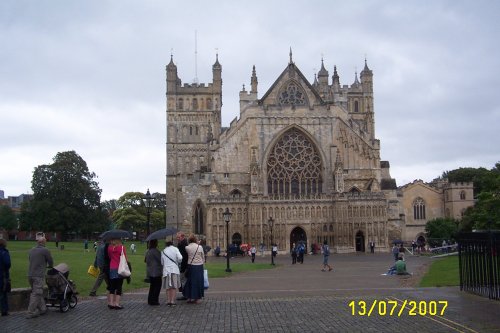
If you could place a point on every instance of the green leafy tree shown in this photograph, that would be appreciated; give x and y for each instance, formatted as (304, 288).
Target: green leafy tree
(441, 228)
(484, 215)
(66, 198)
(131, 212)
(8, 220)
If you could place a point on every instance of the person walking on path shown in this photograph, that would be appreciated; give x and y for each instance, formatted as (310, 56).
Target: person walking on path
(154, 272)
(326, 254)
(274, 251)
(99, 262)
(395, 252)
(181, 245)
(301, 249)
(293, 252)
(4, 276)
(40, 259)
(253, 251)
(194, 289)
(171, 257)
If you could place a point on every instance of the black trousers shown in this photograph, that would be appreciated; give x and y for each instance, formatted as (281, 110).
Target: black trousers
(154, 290)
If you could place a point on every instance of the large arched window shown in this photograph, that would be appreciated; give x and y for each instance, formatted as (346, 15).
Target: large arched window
(294, 166)
(462, 195)
(419, 209)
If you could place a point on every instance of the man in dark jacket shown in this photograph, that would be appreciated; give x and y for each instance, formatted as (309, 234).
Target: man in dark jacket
(39, 259)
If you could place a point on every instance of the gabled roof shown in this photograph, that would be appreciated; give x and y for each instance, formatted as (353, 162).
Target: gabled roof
(299, 77)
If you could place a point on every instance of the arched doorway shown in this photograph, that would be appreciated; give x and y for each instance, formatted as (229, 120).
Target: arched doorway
(298, 235)
(360, 241)
(236, 239)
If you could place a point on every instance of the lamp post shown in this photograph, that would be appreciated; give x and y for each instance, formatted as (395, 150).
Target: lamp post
(227, 218)
(147, 203)
(270, 222)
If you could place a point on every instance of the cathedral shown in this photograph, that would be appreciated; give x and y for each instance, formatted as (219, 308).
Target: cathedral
(301, 163)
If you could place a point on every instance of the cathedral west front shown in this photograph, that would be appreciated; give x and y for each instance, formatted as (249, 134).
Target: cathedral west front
(303, 155)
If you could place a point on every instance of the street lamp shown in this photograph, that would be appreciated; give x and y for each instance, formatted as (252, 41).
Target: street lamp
(271, 224)
(227, 218)
(147, 203)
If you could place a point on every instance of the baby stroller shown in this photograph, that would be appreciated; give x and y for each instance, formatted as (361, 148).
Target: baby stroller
(62, 292)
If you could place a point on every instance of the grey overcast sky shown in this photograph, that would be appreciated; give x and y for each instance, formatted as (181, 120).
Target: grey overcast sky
(89, 76)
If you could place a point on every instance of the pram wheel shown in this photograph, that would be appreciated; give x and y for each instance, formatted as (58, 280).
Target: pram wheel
(73, 301)
(64, 305)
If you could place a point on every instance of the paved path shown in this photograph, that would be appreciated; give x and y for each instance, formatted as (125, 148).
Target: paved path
(290, 298)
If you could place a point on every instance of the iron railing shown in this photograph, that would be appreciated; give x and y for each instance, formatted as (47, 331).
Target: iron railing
(479, 263)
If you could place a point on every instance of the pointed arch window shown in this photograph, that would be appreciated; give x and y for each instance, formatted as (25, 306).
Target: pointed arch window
(462, 195)
(294, 166)
(198, 219)
(419, 209)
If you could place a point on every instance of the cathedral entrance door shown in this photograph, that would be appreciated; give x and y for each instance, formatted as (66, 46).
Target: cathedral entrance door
(298, 235)
(236, 239)
(360, 241)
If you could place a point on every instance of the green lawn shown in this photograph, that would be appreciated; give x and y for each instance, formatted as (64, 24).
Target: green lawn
(443, 272)
(79, 262)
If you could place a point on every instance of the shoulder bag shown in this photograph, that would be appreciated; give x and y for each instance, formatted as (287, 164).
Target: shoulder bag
(123, 268)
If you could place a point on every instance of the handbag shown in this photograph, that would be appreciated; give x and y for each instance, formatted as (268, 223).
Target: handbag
(123, 268)
(205, 279)
(93, 271)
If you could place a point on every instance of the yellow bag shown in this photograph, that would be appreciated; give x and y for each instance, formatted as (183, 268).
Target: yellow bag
(93, 271)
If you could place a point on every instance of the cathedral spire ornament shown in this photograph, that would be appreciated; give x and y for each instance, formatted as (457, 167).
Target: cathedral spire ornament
(291, 61)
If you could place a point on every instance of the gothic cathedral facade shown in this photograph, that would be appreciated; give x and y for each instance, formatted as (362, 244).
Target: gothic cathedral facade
(304, 156)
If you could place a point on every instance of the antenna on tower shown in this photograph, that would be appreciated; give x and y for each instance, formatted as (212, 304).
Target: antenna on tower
(195, 80)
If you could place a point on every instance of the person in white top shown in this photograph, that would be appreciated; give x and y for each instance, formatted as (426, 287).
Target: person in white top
(171, 258)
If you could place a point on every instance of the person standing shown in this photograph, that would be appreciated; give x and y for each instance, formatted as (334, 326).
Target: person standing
(171, 257)
(115, 249)
(4, 276)
(293, 252)
(194, 289)
(326, 254)
(153, 272)
(181, 245)
(253, 251)
(372, 247)
(86, 246)
(395, 252)
(40, 259)
(274, 251)
(100, 263)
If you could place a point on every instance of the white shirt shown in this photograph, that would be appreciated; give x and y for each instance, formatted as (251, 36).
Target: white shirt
(169, 266)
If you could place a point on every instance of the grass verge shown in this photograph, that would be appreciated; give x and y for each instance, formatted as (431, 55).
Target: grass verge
(443, 272)
(79, 262)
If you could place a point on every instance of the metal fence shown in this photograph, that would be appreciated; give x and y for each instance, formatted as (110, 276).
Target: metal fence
(479, 263)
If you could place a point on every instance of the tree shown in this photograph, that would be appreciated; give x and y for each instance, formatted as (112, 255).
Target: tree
(66, 197)
(131, 212)
(8, 220)
(441, 228)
